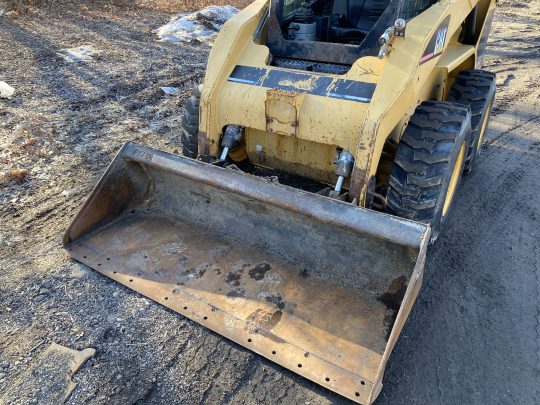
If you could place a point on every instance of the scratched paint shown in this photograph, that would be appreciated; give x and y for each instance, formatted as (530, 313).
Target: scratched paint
(315, 84)
(307, 84)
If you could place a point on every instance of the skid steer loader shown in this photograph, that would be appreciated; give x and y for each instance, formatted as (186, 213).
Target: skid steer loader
(322, 154)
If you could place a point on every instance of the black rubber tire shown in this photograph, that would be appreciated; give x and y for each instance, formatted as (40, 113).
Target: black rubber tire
(190, 124)
(475, 89)
(424, 162)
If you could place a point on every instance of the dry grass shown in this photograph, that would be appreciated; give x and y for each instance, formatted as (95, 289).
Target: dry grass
(15, 5)
(13, 175)
(173, 6)
(185, 5)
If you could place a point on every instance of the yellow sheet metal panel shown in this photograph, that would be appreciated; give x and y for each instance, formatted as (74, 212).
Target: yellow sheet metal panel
(236, 34)
(282, 111)
(313, 160)
(455, 54)
(320, 119)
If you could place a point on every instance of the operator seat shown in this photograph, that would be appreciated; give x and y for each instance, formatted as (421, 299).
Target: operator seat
(358, 17)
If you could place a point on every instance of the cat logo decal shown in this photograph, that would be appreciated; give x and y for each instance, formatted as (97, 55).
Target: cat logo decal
(436, 44)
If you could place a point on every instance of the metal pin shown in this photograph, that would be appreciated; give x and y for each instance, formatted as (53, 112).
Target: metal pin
(339, 184)
(224, 153)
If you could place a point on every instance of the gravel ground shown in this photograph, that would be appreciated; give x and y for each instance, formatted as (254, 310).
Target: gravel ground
(473, 335)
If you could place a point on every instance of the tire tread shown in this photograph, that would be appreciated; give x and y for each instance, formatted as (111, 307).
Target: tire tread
(423, 158)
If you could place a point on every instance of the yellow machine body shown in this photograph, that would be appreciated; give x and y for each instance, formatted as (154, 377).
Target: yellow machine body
(402, 80)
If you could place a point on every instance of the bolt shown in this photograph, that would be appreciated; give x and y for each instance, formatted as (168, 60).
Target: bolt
(399, 24)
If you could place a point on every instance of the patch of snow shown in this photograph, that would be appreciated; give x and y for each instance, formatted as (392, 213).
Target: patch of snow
(83, 53)
(6, 91)
(201, 26)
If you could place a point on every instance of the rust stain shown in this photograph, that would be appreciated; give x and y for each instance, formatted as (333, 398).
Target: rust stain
(357, 182)
(204, 144)
(272, 336)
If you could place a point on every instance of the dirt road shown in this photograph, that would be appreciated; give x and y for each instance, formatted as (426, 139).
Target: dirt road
(474, 333)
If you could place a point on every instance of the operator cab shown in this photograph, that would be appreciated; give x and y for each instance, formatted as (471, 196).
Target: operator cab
(346, 21)
(330, 35)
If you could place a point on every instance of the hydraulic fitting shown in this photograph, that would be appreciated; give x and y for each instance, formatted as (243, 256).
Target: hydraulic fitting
(386, 39)
(345, 163)
(231, 138)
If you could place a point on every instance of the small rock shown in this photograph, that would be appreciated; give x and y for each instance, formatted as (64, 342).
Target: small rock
(44, 291)
(40, 298)
(118, 376)
(2, 375)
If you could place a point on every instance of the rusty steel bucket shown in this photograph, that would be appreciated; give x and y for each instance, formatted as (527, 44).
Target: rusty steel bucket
(316, 285)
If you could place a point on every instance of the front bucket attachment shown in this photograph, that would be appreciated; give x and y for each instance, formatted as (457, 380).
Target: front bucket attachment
(316, 285)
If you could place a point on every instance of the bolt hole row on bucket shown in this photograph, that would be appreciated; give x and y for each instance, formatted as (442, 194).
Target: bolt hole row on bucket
(249, 340)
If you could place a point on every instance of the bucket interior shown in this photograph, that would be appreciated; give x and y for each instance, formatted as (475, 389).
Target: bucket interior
(297, 278)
